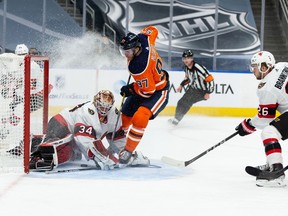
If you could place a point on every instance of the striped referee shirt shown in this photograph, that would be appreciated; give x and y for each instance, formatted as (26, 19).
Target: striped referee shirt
(198, 77)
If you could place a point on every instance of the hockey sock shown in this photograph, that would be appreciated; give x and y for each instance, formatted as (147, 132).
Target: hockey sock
(139, 123)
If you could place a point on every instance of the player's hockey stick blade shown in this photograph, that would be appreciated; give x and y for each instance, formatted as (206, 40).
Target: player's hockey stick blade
(173, 162)
(265, 174)
(253, 171)
(272, 175)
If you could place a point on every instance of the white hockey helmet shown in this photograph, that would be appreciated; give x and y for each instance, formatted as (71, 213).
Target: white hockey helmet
(262, 57)
(103, 101)
(21, 49)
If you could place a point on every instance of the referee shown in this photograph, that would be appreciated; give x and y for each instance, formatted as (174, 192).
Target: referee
(200, 85)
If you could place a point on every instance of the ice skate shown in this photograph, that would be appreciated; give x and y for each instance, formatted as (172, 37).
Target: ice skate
(264, 181)
(139, 159)
(173, 121)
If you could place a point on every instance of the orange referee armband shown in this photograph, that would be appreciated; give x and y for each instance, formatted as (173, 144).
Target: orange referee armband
(209, 78)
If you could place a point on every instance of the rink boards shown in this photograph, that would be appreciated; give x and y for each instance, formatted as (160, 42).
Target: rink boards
(234, 94)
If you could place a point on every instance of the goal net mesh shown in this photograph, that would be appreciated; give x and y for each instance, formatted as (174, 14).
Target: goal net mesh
(23, 108)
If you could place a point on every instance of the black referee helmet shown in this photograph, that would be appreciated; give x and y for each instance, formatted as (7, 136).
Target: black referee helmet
(187, 53)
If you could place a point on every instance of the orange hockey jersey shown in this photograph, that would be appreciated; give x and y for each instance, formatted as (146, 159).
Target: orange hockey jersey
(146, 68)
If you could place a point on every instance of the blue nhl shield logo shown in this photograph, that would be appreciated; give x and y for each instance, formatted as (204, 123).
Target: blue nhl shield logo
(193, 26)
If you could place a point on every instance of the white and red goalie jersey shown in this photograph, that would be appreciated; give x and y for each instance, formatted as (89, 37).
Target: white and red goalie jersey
(273, 95)
(87, 126)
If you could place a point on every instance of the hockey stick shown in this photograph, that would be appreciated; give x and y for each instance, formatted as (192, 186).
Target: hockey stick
(179, 163)
(87, 168)
(71, 170)
(118, 117)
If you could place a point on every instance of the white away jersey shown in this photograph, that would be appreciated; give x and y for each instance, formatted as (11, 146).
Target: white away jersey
(273, 95)
(85, 125)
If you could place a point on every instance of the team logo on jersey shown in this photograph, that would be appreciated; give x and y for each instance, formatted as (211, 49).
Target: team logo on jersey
(90, 111)
(261, 85)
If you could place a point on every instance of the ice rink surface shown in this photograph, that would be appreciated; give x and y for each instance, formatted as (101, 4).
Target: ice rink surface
(215, 184)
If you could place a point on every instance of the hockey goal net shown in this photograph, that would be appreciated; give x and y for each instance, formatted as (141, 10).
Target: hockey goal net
(23, 108)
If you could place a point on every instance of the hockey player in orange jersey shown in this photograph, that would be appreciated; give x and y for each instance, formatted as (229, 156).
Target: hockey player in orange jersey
(148, 95)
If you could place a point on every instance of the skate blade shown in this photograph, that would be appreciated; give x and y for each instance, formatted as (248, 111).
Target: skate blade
(277, 183)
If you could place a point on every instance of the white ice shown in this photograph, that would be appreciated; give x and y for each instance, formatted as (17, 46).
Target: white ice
(215, 184)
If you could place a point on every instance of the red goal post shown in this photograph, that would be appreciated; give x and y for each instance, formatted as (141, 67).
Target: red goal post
(27, 103)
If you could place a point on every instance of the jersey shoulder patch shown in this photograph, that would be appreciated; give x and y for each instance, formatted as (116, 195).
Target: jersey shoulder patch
(90, 111)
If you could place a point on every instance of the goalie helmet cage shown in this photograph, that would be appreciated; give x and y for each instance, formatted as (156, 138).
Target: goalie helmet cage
(24, 111)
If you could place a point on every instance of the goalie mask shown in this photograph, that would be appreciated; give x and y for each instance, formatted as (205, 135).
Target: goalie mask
(103, 101)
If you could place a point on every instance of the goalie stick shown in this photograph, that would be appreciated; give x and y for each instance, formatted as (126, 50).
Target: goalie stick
(180, 163)
(68, 170)
(85, 167)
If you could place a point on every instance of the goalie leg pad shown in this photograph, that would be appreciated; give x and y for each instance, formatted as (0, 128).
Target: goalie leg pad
(35, 141)
(53, 153)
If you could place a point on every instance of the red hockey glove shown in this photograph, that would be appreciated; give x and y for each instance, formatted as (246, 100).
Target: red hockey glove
(245, 128)
(127, 90)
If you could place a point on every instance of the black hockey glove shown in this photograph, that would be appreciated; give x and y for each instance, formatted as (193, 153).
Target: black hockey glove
(127, 90)
(245, 128)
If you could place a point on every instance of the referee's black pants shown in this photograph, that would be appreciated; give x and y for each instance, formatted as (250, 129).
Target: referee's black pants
(190, 97)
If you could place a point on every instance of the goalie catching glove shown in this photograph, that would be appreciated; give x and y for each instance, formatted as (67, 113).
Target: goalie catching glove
(245, 128)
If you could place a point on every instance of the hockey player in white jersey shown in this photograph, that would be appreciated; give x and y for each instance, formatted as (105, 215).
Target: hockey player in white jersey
(273, 96)
(11, 94)
(79, 131)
